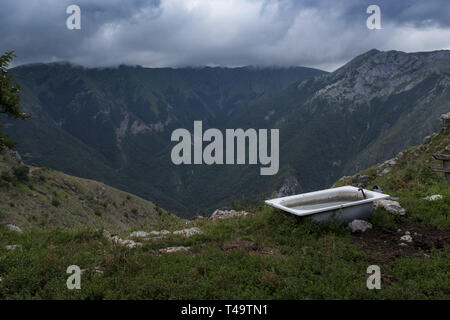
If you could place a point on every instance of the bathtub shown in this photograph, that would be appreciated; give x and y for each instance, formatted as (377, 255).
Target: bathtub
(343, 204)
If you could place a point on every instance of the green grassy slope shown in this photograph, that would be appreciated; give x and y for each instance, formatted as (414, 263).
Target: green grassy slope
(411, 179)
(47, 198)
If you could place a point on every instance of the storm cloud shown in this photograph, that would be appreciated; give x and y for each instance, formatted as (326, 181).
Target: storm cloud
(155, 33)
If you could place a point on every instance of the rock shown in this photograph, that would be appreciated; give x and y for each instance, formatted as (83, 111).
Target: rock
(129, 243)
(406, 238)
(385, 171)
(426, 140)
(426, 256)
(407, 232)
(402, 244)
(244, 244)
(173, 249)
(13, 228)
(289, 187)
(188, 232)
(159, 233)
(124, 242)
(139, 234)
(390, 206)
(224, 214)
(360, 180)
(15, 156)
(391, 162)
(445, 120)
(199, 217)
(106, 233)
(359, 225)
(433, 197)
(12, 246)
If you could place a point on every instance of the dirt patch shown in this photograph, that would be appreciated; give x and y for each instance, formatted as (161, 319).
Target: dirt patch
(240, 244)
(383, 246)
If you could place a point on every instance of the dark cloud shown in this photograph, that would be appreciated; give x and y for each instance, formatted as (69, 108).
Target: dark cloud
(320, 33)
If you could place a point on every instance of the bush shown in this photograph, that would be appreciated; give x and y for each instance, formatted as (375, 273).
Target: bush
(56, 203)
(21, 173)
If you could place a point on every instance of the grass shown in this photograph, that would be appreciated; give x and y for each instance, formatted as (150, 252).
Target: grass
(31, 196)
(296, 259)
(411, 180)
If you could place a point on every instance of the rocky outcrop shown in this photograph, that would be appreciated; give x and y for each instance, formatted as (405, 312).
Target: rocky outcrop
(376, 74)
(224, 214)
(445, 120)
(289, 187)
(390, 206)
(188, 232)
(124, 242)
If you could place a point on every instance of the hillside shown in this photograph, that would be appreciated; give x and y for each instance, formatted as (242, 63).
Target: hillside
(266, 254)
(41, 197)
(408, 176)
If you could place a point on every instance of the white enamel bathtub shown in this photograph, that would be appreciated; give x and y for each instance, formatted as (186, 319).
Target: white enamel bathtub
(343, 204)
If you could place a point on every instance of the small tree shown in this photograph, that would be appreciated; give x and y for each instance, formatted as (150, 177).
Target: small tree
(9, 98)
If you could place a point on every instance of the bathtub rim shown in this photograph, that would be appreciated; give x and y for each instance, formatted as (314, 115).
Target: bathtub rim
(277, 201)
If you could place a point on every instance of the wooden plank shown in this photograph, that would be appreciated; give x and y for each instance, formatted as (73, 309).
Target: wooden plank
(446, 170)
(445, 157)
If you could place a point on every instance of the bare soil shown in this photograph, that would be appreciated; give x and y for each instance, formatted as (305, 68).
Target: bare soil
(383, 246)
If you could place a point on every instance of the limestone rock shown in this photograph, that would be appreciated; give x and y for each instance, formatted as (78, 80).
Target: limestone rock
(406, 238)
(433, 197)
(224, 214)
(359, 225)
(390, 206)
(13, 228)
(139, 234)
(159, 233)
(12, 246)
(188, 232)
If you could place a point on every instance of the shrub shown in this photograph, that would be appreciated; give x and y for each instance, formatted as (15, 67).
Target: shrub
(21, 173)
(56, 203)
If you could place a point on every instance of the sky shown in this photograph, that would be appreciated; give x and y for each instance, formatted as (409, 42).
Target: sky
(175, 33)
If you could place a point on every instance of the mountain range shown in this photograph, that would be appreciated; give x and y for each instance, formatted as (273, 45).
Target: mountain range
(114, 124)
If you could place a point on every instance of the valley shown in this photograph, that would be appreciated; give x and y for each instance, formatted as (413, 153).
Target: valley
(117, 122)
